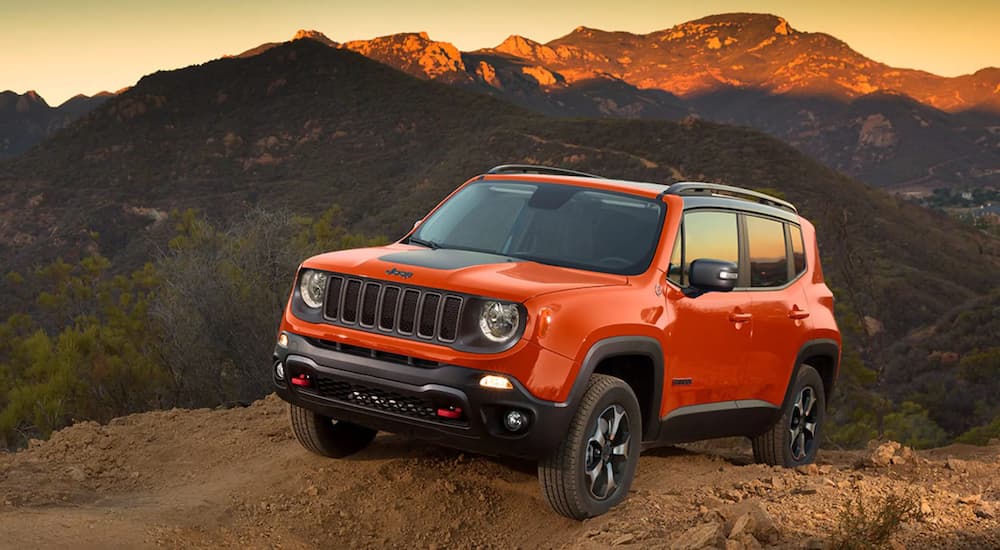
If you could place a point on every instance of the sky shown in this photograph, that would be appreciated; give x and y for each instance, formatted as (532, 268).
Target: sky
(60, 48)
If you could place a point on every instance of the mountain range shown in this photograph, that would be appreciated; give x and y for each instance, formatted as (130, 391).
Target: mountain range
(26, 119)
(905, 130)
(902, 129)
(301, 126)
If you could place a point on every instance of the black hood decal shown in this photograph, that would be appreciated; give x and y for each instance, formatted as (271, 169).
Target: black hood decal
(445, 258)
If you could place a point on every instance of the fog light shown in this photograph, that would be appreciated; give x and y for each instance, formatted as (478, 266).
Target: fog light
(496, 382)
(279, 370)
(515, 420)
(283, 340)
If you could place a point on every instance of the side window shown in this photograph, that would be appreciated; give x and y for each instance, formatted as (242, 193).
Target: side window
(798, 249)
(768, 255)
(706, 235)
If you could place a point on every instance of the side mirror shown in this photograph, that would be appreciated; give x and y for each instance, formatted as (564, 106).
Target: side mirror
(713, 275)
(417, 223)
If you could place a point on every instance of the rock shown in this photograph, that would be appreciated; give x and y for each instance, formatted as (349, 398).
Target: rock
(971, 499)
(925, 508)
(778, 482)
(956, 465)
(735, 495)
(762, 526)
(986, 510)
(905, 456)
(703, 536)
(889, 452)
(880, 454)
(76, 474)
(742, 524)
(808, 470)
(624, 539)
(806, 490)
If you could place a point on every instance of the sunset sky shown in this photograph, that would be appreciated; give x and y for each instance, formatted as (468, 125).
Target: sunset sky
(61, 48)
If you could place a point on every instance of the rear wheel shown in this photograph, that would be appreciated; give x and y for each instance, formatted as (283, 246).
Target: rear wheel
(328, 437)
(592, 469)
(794, 438)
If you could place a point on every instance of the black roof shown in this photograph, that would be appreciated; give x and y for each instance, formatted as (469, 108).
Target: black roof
(695, 194)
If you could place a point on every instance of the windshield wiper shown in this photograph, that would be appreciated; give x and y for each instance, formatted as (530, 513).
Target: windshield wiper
(429, 244)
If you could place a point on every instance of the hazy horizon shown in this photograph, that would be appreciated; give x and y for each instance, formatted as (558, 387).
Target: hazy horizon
(110, 44)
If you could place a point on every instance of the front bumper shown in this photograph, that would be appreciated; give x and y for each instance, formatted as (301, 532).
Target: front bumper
(394, 396)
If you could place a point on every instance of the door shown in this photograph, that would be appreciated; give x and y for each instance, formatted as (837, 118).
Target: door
(776, 260)
(708, 335)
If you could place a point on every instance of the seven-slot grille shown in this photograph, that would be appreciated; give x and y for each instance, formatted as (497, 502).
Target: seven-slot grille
(378, 306)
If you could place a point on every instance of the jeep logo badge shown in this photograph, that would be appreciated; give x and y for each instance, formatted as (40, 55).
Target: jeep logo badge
(398, 273)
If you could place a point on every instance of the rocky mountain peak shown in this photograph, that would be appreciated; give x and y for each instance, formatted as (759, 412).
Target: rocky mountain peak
(314, 35)
(526, 48)
(412, 52)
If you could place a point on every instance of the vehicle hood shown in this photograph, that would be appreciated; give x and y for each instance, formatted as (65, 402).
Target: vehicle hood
(460, 271)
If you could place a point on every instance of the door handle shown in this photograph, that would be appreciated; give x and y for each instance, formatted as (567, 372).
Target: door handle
(797, 313)
(736, 317)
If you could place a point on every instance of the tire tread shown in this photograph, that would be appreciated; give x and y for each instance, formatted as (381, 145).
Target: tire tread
(769, 447)
(558, 470)
(325, 437)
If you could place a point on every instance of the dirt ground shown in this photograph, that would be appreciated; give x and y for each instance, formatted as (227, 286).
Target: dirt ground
(235, 478)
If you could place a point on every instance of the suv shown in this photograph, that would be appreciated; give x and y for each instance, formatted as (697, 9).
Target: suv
(570, 319)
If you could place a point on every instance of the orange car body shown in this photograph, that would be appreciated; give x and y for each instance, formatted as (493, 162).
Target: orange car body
(722, 355)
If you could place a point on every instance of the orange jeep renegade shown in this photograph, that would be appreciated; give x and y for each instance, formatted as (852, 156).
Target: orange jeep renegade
(570, 319)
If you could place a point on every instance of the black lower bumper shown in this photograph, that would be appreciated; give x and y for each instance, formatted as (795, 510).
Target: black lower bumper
(443, 404)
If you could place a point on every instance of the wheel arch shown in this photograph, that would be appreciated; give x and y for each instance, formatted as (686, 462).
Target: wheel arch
(822, 354)
(638, 360)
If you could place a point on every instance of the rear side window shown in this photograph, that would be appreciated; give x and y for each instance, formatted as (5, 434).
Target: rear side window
(798, 248)
(768, 253)
(705, 235)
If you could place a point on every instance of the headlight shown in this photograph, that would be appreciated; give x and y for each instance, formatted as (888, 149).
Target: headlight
(499, 322)
(312, 287)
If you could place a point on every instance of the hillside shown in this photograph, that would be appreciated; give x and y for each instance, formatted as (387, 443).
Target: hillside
(26, 119)
(952, 363)
(906, 130)
(235, 478)
(304, 126)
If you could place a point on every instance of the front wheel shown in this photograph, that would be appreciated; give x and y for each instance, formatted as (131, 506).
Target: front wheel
(794, 438)
(328, 437)
(592, 469)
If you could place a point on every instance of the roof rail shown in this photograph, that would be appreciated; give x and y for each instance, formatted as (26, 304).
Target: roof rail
(691, 188)
(533, 169)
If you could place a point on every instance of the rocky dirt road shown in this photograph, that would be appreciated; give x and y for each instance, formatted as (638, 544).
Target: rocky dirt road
(235, 478)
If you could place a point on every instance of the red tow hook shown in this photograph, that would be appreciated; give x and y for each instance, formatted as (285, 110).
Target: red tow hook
(453, 413)
(302, 380)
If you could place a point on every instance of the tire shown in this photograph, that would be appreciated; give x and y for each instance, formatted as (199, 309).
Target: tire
(327, 437)
(791, 442)
(563, 474)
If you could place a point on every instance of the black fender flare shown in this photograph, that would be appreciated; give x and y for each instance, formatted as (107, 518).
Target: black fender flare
(822, 347)
(625, 345)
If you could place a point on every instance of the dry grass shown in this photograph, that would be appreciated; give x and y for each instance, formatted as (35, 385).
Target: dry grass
(869, 524)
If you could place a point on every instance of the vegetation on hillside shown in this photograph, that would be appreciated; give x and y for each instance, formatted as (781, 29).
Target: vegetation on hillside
(191, 329)
(291, 131)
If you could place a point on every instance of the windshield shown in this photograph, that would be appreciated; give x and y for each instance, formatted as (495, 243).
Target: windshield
(554, 224)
